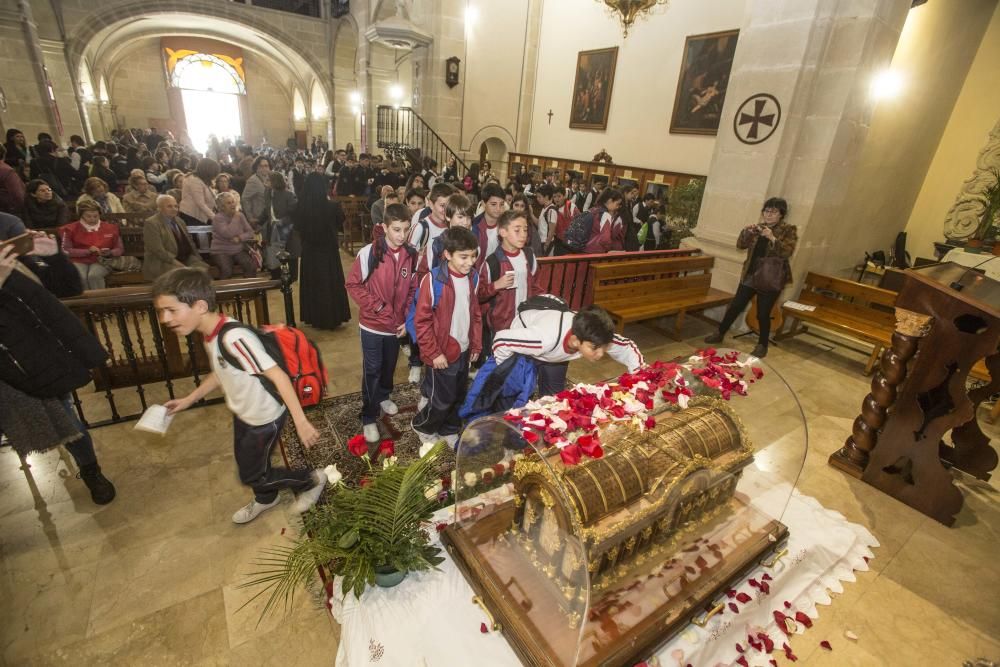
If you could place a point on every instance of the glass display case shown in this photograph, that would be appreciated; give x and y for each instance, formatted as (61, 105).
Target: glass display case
(596, 523)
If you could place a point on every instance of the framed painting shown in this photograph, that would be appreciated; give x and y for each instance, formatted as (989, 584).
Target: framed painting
(595, 76)
(660, 190)
(702, 84)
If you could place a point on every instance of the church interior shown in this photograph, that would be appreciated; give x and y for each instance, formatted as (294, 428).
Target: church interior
(808, 481)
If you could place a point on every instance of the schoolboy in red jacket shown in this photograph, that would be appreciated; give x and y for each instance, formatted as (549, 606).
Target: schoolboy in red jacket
(449, 335)
(382, 282)
(511, 276)
(484, 225)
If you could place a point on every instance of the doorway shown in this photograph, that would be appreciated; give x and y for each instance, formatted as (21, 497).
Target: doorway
(210, 93)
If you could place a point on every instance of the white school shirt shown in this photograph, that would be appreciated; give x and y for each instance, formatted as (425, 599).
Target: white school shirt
(520, 264)
(245, 394)
(492, 240)
(460, 322)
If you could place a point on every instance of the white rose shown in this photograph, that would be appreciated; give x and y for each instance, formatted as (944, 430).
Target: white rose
(432, 492)
(391, 461)
(469, 478)
(332, 474)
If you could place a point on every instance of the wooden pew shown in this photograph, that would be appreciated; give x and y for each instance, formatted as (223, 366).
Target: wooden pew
(864, 313)
(642, 289)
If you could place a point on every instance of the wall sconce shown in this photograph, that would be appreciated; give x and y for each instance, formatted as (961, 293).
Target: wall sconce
(886, 84)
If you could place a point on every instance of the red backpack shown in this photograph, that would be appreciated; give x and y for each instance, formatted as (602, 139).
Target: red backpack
(294, 353)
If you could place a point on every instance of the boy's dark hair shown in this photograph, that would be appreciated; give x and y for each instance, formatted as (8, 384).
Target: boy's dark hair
(510, 216)
(391, 195)
(457, 239)
(457, 202)
(187, 285)
(608, 194)
(394, 213)
(778, 203)
(415, 192)
(649, 196)
(593, 325)
(440, 190)
(546, 191)
(492, 190)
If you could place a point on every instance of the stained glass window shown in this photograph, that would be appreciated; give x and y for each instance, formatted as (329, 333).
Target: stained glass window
(203, 71)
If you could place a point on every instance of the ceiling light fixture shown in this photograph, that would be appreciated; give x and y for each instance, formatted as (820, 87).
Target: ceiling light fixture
(629, 11)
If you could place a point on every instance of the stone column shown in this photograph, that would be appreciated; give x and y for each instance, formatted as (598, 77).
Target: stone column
(816, 58)
(25, 81)
(440, 105)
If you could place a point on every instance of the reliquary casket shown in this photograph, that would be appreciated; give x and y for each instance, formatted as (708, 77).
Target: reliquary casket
(597, 563)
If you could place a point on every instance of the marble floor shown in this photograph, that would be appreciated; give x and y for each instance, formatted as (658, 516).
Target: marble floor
(153, 578)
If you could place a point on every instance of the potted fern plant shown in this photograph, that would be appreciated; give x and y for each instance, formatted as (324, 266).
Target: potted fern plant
(369, 535)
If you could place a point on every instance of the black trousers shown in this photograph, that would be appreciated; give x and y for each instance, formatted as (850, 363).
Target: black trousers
(379, 355)
(252, 447)
(445, 391)
(551, 377)
(765, 301)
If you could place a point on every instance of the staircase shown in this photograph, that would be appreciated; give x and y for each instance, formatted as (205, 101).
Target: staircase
(402, 133)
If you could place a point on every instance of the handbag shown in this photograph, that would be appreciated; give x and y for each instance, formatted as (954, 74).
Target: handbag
(768, 275)
(256, 255)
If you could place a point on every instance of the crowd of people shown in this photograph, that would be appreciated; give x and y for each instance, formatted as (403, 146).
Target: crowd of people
(451, 273)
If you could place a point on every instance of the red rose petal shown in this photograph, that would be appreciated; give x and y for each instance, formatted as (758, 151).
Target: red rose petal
(788, 653)
(767, 641)
(357, 445)
(780, 620)
(734, 608)
(529, 436)
(483, 629)
(387, 448)
(765, 588)
(743, 597)
(440, 527)
(650, 422)
(765, 577)
(754, 583)
(773, 662)
(739, 649)
(788, 605)
(825, 644)
(570, 455)
(802, 618)
(742, 660)
(731, 593)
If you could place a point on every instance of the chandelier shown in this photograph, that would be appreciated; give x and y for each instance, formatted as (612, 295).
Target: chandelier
(628, 11)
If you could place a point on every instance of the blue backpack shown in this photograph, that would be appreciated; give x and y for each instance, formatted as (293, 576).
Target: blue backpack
(437, 284)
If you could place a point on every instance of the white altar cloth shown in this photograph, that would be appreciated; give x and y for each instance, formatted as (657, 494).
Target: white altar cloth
(430, 621)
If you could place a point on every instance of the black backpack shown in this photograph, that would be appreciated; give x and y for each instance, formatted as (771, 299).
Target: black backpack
(545, 302)
(580, 228)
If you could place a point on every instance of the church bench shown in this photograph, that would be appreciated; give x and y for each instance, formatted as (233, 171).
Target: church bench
(644, 289)
(861, 312)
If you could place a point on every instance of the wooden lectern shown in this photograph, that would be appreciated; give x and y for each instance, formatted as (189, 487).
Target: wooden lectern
(948, 318)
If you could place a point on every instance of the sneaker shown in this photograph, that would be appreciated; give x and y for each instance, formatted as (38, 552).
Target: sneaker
(760, 351)
(451, 440)
(388, 407)
(424, 438)
(422, 403)
(102, 491)
(371, 433)
(414, 374)
(253, 510)
(309, 497)
(712, 339)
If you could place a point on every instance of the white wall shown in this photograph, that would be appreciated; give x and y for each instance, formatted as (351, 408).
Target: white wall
(139, 87)
(649, 63)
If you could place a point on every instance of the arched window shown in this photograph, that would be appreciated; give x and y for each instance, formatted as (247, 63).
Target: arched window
(203, 71)
(104, 97)
(320, 108)
(86, 85)
(298, 106)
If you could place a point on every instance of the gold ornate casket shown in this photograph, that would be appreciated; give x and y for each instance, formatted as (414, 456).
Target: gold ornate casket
(597, 563)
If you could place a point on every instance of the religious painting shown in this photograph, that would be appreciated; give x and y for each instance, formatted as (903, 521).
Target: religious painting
(625, 184)
(660, 190)
(704, 78)
(599, 178)
(595, 75)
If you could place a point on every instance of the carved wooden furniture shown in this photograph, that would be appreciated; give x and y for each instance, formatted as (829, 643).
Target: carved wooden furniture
(852, 309)
(654, 527)
(357, 231)
(643, 289)
(918, 395)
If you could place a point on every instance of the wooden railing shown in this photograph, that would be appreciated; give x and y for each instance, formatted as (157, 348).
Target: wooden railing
(402, 132)
(569, 276)
(144, 353)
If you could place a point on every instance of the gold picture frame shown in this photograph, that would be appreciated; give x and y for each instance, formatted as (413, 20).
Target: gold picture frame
(592, 87)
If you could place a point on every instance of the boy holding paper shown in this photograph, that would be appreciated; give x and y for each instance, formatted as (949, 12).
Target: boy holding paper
(185, 302)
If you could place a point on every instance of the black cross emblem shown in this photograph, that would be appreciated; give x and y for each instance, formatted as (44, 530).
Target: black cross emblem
(758, 110)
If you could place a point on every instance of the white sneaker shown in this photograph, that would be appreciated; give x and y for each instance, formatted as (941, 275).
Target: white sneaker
(414, 374)
(421, 403)
(371, 433)
(388, 407)
(451, 440)
(424, 438)
(309, 497)
(253, 510)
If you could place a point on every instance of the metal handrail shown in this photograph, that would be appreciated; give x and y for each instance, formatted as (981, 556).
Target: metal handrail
(397, 133)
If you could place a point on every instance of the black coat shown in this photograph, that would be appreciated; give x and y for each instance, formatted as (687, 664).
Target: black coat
(45, 351)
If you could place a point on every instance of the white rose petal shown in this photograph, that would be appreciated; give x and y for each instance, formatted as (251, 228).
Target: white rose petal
(425, 448)
(469, 478)
(682, 400)
(332, 474)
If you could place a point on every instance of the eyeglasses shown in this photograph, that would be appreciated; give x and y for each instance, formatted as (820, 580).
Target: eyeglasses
(772, 210)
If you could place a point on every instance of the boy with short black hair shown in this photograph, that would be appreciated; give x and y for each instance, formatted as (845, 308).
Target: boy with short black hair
(184, 299)
(448, 326)
(509, 276)
(414, 199)
(484, 225)
(548, 219)
(382, 282)
(553, 338)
